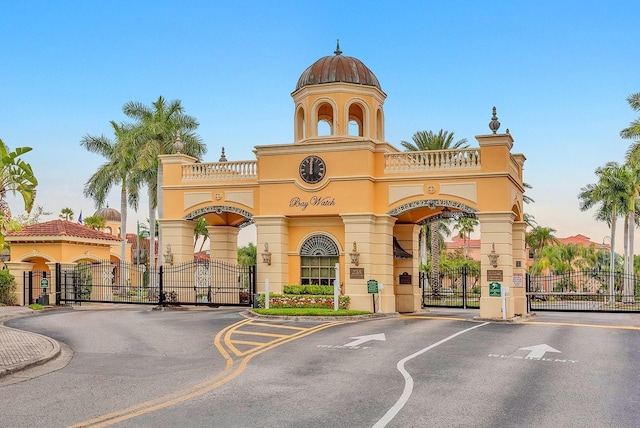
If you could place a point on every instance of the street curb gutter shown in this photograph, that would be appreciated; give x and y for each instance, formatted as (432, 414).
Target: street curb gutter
(52, 354)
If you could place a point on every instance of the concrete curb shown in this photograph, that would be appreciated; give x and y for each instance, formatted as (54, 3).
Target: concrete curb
(252, 315)
(42, 359)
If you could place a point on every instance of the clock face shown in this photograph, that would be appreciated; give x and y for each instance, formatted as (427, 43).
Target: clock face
(312, 169)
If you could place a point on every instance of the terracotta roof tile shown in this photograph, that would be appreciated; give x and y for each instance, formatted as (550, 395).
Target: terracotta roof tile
(63, 228)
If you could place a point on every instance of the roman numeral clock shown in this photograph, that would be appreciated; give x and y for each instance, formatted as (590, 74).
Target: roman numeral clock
(312, 169)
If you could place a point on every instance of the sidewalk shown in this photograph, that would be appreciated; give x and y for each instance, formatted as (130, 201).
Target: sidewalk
(20, 350)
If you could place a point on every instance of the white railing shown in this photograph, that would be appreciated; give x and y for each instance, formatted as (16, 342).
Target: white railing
(432, 160)
(231, 171)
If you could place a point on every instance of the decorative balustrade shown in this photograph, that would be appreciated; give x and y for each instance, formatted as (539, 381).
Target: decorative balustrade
(229, 171)
(432, 160)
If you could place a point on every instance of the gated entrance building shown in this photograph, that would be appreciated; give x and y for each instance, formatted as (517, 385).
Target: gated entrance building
(341, 202)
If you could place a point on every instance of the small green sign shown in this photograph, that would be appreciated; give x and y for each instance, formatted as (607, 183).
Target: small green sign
(494, 289)
(44, 283)
(372, 286)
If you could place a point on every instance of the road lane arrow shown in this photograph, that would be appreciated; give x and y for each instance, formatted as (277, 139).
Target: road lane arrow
(538, 351)
(363, 339)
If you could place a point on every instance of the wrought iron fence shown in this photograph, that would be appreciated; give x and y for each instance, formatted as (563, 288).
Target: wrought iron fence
(211, 283)
(456, 288)
(586, 290)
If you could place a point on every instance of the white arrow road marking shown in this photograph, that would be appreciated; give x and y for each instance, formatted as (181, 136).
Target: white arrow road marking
(408, 380)
(538, 351)
(363, 339)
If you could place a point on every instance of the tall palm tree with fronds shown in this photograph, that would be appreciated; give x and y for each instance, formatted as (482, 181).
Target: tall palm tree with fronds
(632, 132)
(537, 240)
(465, 226)
(610, 196)
(66, 214)
(200, 231)
(425, 141)
(16, 177)
(156, 129)
(120, 155)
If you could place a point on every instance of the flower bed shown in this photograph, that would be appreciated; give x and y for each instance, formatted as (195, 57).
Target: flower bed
(303, 301)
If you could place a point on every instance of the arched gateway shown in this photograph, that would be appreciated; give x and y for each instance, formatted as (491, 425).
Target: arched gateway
(351, 198)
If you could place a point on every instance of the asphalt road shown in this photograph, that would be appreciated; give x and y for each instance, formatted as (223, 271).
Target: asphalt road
(136, 367)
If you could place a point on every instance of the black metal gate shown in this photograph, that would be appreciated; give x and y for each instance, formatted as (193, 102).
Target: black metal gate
(33, 291)
(457, 288)
(593, 290)
(210, 283)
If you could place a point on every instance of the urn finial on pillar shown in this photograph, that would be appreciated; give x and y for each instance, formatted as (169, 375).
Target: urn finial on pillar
(494, 125)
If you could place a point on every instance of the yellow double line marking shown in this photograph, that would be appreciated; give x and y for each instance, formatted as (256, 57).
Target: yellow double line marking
(230, 372)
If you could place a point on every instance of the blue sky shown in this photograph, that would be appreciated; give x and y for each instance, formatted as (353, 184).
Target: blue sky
(558, 72)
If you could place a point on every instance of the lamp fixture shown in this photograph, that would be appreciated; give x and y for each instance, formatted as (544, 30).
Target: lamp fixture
(355, 255)
(266, 255)
(168, 256)
(493, 257)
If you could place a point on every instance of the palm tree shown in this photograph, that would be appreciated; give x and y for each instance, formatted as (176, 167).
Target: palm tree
(121, 158)
(17, 177)
(425, 141)
(465, 226)
(610, 195)
(156, 130)
(633, 130)
(537, 239)
(632, 169)
(200, 231)
(95, 222)
(66, 214)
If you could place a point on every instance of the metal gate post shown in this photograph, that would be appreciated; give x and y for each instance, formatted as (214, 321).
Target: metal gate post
(57, 288)
(464, 287)
(30, 276)
(160, 292)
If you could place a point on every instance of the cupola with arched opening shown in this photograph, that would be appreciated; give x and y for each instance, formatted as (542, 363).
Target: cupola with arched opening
(338, 97)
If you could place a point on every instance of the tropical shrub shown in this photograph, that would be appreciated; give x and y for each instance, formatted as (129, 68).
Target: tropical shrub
(7, 288)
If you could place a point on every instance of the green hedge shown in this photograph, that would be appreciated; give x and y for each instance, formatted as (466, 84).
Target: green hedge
(318, 290)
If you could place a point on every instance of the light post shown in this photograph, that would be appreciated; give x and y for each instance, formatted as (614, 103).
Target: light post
(612, 291)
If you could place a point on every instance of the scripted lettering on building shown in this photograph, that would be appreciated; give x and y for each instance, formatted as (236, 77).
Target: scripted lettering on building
(314, 201)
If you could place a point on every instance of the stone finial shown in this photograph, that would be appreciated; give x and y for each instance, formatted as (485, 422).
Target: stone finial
(338, 51)
(223, 158)
(494, 125)
(177, 146)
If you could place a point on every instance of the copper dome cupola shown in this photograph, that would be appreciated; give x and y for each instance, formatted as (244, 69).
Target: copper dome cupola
(109, 214)
(338, 68)
(338, 98)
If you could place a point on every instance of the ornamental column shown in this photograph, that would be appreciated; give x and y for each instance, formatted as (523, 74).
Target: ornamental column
(373, 238)
(272, 252)
(496, 262)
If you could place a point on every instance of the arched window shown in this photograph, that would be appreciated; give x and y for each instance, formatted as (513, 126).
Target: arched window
(318, 257)
(356, 120)
(300, 124)
(325, 120)
(379, 125)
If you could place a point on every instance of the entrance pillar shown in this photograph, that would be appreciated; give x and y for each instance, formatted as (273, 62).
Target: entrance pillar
(519, 268)
(223, 243)
(373, 236)
(408, 296)
(179, 235)
(496, 238)
(274, 232)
